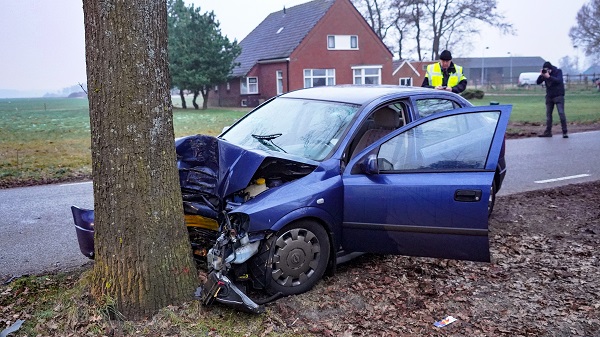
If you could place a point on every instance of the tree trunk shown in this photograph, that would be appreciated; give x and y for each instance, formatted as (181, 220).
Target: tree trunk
(182, 95)
(143, 257)
(196, 106)
(205, 99)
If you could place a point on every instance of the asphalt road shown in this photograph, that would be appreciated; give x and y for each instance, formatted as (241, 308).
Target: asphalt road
(37, 233)
(538, 163)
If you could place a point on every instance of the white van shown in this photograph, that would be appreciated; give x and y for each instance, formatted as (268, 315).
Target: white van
(528, 79)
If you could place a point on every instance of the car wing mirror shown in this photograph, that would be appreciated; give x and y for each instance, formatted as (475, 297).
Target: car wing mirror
(370, 165)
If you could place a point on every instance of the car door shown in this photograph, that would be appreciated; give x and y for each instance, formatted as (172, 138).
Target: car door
(423, 190)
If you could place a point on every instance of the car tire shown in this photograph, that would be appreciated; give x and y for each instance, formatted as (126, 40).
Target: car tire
(299, 254)
(492, 198)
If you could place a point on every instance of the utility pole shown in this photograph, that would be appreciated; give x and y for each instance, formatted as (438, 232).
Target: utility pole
(511, 77)
(482, 64)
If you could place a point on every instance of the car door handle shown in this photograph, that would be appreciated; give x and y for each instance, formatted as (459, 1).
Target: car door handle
(467, 195)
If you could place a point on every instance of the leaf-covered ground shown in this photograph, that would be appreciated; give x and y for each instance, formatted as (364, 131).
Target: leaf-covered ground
(544, 280)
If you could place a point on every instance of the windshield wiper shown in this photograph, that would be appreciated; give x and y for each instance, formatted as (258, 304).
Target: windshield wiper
(268, 140)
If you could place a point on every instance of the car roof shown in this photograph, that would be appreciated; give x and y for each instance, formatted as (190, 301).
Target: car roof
(360, 94)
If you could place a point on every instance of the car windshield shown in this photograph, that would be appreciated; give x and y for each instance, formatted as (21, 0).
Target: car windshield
(300, 127)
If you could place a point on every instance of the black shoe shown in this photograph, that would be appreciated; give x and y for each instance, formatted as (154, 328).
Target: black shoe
(545, 135)
(565, 135)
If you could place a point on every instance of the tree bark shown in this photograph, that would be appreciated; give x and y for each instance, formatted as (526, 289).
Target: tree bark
(196, 106)
(143, 257)
(182, 95)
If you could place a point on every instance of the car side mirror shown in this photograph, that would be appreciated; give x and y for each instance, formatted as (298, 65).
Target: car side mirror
(370, 165)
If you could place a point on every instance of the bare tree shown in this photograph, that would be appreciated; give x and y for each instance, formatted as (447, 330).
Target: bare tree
(143, 258)
(378, 14)
(406, 22)
(451, 20)
(569, 65)
(586, 33)
(438, 23)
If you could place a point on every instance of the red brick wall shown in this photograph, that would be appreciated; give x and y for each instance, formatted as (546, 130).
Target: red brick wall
(341, 19)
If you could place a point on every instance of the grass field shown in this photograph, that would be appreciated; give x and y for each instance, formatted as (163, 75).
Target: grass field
(48, 139)
(580, 107)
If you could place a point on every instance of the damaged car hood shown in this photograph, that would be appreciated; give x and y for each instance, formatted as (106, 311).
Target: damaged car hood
(211, 169)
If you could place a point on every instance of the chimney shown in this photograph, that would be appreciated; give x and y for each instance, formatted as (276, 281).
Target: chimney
(283, 10)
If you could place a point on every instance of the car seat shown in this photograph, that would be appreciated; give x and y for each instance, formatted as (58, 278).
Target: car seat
(385, 121)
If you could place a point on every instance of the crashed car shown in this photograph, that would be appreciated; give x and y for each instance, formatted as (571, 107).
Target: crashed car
(314, 177)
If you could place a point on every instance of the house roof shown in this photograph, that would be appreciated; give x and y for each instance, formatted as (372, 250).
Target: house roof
(492, 62)
(279, 34)
(593, 70)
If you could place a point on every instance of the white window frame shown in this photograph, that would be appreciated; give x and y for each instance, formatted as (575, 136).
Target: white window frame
(279, 81)
(359, 76)
(342, 42)
(249, 85)
(309, 75)
(408, 81)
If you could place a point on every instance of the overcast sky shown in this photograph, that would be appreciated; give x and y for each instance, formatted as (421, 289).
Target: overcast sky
(42, 41)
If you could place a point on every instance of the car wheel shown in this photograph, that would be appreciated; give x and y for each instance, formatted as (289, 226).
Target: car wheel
(492, 198)
(299, 256)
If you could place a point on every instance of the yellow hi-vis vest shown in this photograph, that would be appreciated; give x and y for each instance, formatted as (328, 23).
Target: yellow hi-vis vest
(435, 75)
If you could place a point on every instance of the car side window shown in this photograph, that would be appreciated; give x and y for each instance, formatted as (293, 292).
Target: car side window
(458, 142)
(428, 106)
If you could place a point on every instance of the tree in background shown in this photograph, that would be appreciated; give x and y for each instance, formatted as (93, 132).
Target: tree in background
(176, 22)
(143, 259)
(200, 57)
(586, 32)
(441, 24)
(569, 65)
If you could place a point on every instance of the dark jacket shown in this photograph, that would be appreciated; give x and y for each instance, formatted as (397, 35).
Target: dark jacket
(555, 86)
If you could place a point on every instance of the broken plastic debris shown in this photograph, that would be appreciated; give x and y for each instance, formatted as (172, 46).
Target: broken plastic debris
(16, 326)
(444, 322)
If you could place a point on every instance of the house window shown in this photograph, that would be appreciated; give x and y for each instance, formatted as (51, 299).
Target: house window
(279, 78)
(249, 85)
(342, 42)
(244, 102)
(228, 86)
(318, 77)
(367, 75)
(406, 81)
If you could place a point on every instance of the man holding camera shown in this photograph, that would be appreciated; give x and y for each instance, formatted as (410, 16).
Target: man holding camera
(445, 75)
(555, 95)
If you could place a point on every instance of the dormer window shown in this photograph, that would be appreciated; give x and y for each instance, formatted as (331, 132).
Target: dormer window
(342, 42)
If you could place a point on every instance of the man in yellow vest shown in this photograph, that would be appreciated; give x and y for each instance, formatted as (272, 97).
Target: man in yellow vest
(445, 75)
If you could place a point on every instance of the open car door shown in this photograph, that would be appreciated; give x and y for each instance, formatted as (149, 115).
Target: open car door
(423, 190)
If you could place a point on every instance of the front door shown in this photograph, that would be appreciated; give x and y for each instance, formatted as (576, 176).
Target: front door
(423, 190)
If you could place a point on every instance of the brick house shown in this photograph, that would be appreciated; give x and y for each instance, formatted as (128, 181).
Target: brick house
(322, 42)
(409, 73)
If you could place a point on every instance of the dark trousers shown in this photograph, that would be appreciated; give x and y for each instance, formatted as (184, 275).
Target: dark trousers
(559, 101)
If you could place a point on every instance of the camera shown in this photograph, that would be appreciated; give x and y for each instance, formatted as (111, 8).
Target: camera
(544, 71)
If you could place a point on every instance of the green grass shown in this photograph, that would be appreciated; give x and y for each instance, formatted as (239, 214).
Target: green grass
(580, 106)
(48, 139)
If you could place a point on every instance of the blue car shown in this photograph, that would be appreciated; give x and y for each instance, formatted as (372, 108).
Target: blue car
(314, 177)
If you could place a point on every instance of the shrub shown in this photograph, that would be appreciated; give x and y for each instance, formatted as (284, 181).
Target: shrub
(473, 93)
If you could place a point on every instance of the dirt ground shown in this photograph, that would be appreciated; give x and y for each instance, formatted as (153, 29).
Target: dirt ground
(524, 130)
(544, 280)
